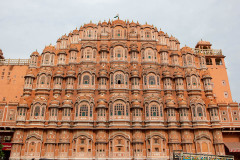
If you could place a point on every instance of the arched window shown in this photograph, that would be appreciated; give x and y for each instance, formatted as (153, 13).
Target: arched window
(209, 61)
(194, 81)
(119, 109)
(118, 53)
(149, 54)
(199, 111)
(218, 61)
(147, 34)
(189, 60)
(89, 33)
(43, 111)
(37, 111)
(47, 58)
(88, 53)
(86, 79)
(154, 111)
(42, 79)
(118, 33)
(83, 111)
(119, 79)
(152, 80)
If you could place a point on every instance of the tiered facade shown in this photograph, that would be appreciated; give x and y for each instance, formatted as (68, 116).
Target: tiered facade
(117, 90)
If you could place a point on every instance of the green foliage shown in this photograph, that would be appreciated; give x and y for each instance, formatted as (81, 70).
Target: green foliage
(1, 152)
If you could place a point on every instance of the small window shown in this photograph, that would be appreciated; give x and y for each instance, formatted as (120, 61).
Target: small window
(223, 113)
(156, 150)
(226, 94)
(223, 82)
(235, 112)
(218, 61)
(81, 149)
(209, 61)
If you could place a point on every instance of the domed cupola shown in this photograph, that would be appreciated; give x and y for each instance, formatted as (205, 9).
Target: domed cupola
(182, 103)
(178, 74)
(206, 75)
(30, 73)
(59, 72)
(212, 104)
(166, 73)
(170, 102)
(101, 103)
(55, 102)
(35, 53)
(67, 101)
(71, 72)
(34, 57)
(23, 102)
(136, 100)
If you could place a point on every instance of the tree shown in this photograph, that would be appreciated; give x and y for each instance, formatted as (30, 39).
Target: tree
(1, 152)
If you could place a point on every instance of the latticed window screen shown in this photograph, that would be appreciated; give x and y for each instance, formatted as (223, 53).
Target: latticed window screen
(119, 109)
(158, 80)
(43, 111)
(154, 111)
(161, 111)
(119, 53)
(189, 59)
(147, 111)
(119, 79)
(199, 111)
(83, 111)
(194, 80)
(145, 80)
(152, 80)
(88, 53)
(37, 111)
(86, 79)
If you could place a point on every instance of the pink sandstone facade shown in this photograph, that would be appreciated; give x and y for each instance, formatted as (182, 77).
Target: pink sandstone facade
(117, 90)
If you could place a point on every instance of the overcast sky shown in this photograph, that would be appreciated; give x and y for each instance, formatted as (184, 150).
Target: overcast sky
(27, 25)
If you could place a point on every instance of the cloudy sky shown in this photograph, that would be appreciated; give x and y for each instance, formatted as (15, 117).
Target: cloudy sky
(27, 25)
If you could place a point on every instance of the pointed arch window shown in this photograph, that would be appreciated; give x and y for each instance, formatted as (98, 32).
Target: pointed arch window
(152, 80)
(189, 60)
(86, 79)
(83, 111)
(154, 111)
(119, 79)
(119, 109)
(37, 111)
(199, 111)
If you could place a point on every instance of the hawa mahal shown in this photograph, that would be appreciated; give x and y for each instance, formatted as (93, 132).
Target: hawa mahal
(117, 90)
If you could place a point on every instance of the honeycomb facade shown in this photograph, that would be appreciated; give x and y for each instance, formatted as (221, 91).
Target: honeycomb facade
(118, 89)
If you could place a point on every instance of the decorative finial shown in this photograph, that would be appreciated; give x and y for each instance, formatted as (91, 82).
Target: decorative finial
(90, 21)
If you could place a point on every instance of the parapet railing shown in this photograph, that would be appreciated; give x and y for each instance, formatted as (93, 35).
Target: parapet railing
(179, 155)
(7, 62)
(208, 52)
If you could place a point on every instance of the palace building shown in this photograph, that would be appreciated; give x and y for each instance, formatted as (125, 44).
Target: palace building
(118, 89)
